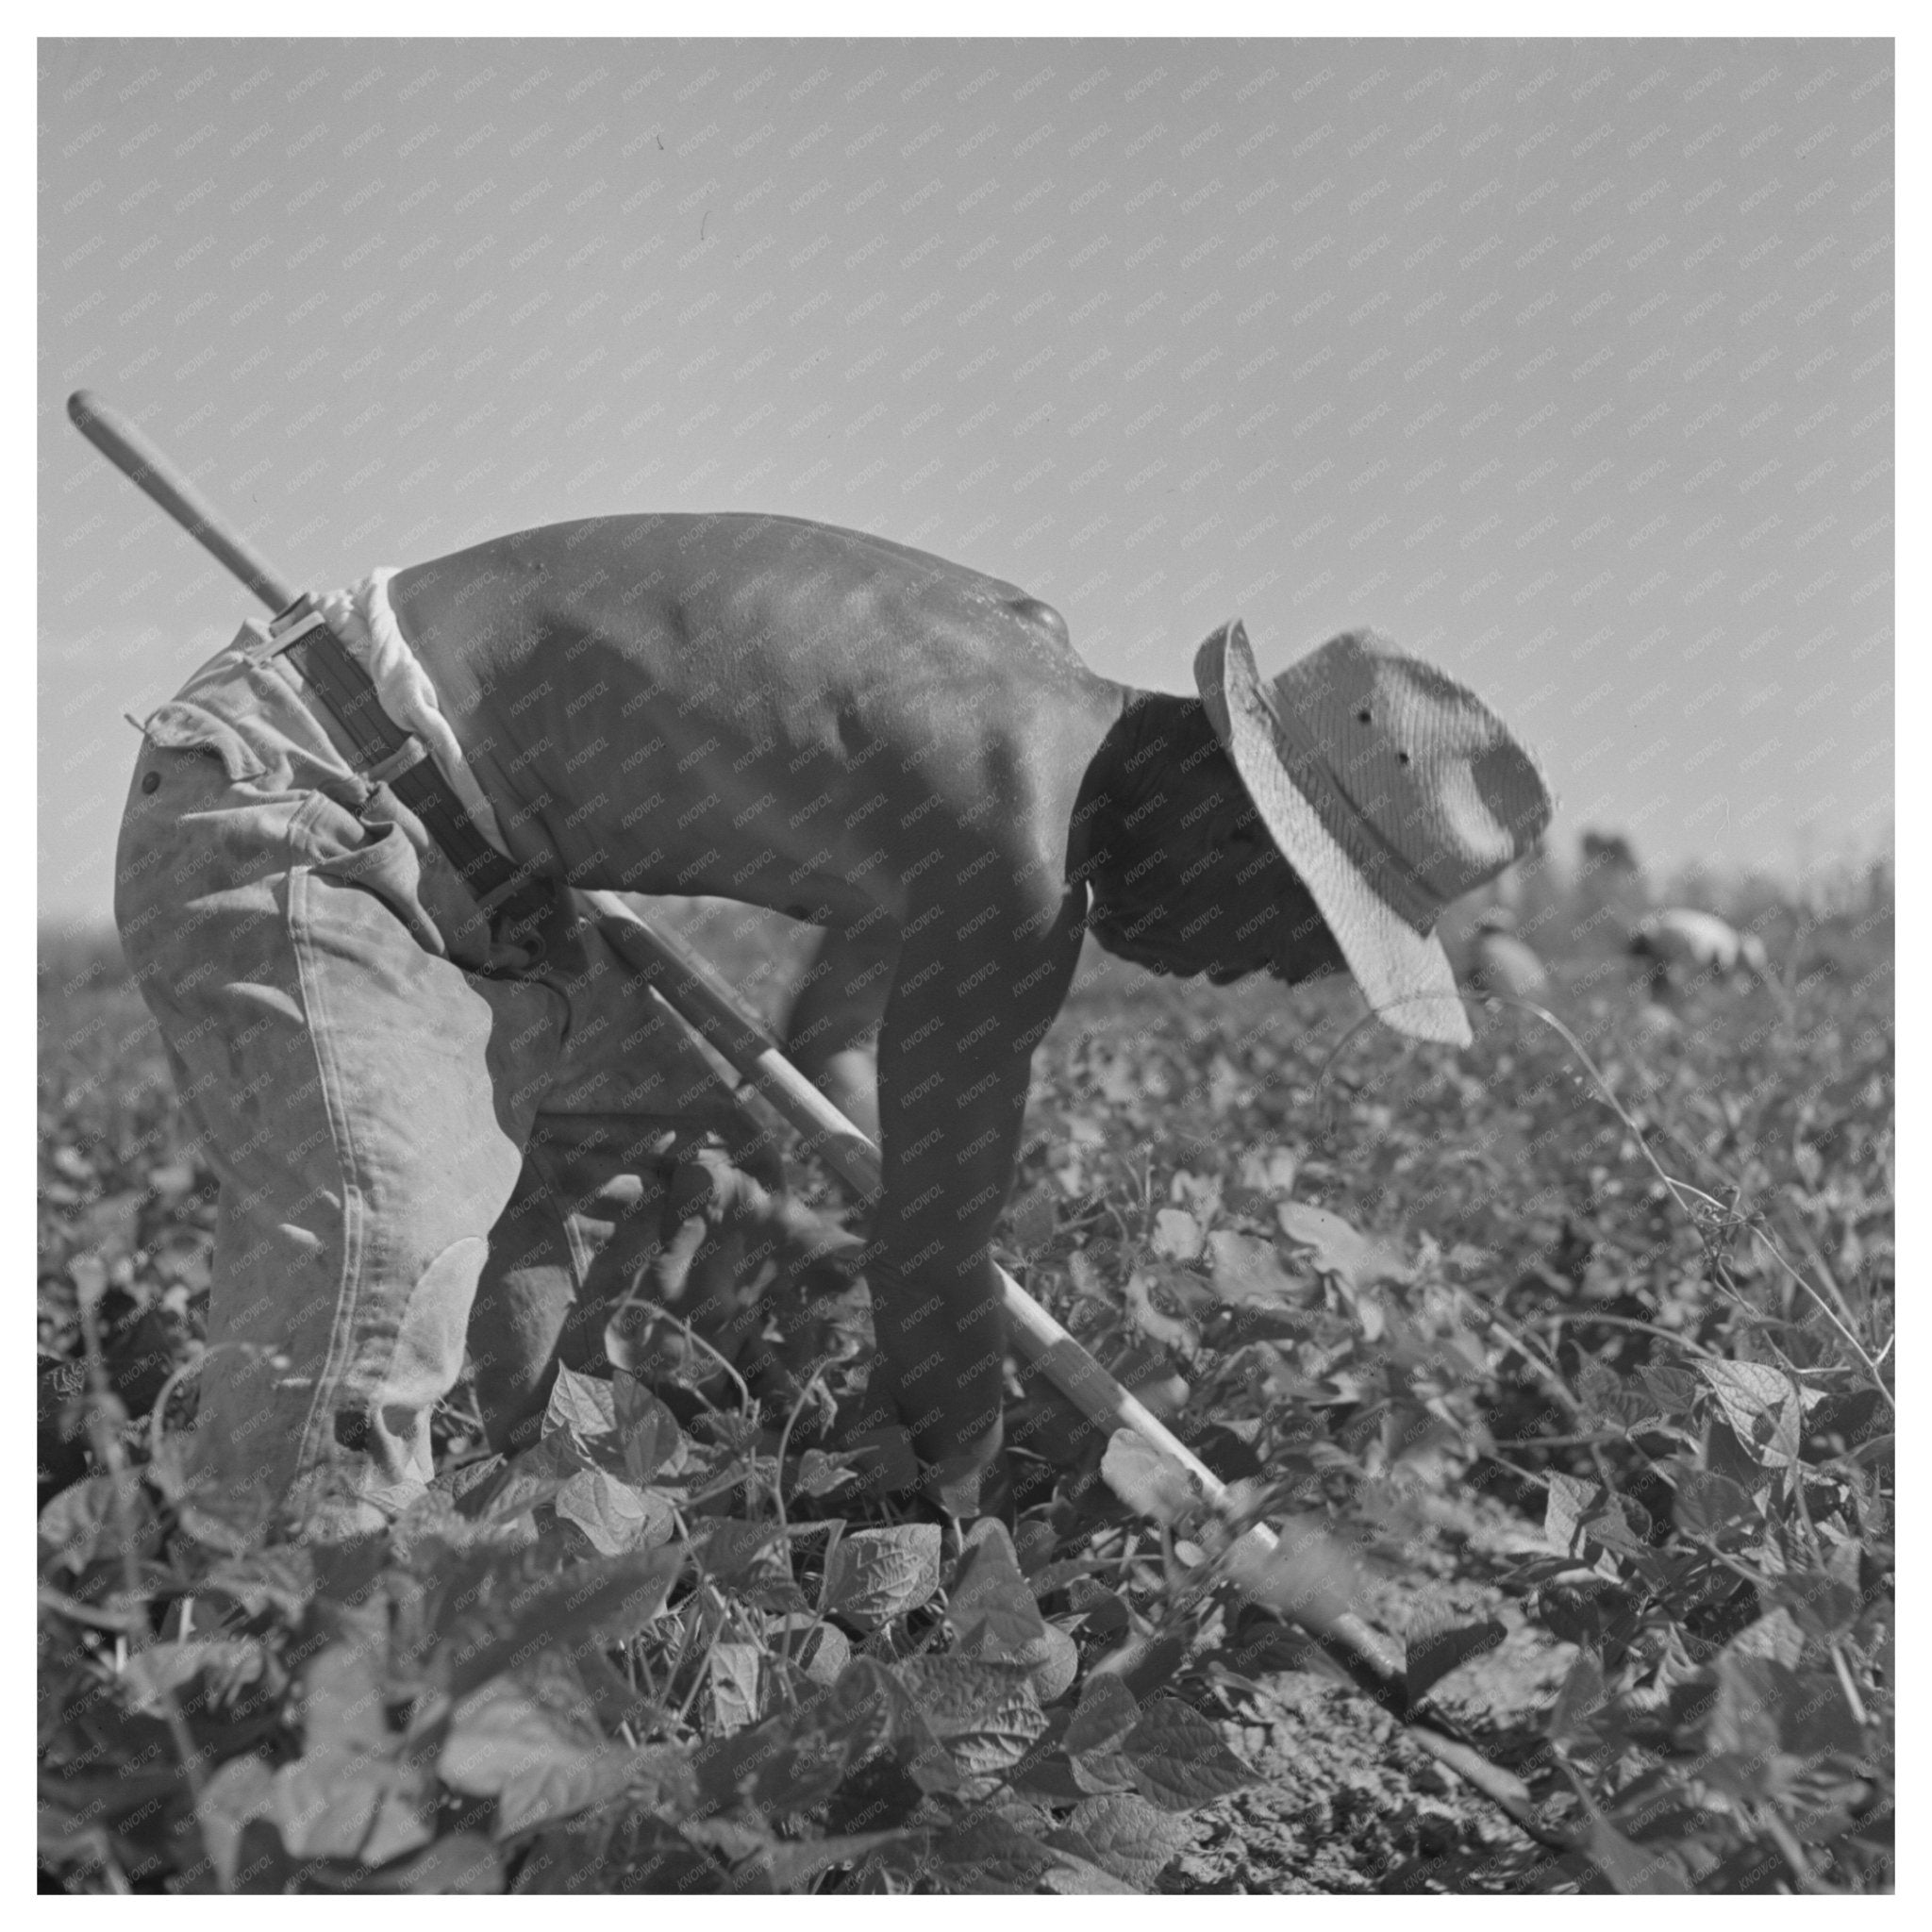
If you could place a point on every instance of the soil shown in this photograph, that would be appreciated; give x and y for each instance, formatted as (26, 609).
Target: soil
(1347, 1801)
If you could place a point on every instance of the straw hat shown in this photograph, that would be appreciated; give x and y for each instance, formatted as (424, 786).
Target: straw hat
(1390, 789)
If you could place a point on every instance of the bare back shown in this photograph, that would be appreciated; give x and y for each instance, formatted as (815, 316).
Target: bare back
(754, 707)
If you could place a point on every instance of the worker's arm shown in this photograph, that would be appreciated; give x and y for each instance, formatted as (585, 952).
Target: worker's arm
(967, 1008)
(832, 1034)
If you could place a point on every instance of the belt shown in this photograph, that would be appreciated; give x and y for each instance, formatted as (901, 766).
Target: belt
(387, 754)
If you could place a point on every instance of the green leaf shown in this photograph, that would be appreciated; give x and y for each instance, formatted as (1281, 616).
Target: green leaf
(1179, 1758)
(614, 1516)
(1824, 1604)
(1268, 1169)
(819, 1474)
(1622, 1524)
(1247, 1273)
(1437, 1644)
(1604, 1397)
(1582, 1694)
(349, 1807)
(1761, 1406)
(795, 1760)
(559, 1788)
(786, 1863)
(1177, 1235)
(172, 1666)
(611, 1599)
(278, 1580)
(101, 1520)
(742, 1556)
(1775, 1635)
(237, 1793)
(1633, 1870)
(988, 1855)
(503, 1733)
(1149, 1319)
(582, 1403)
(464, 1863)
(648, 1431)
(819, 1649)
(1816, 1721)
(1144, 1664)
(566, 1860)
(985, 1713)
(1077, 1876)
(1052, 1663)
(1673, 1389)
(1711, 1507)
(524, 1483)
(1102, 1611)
(1101, 1727)
(343, 1705)
(734, 1670)
(647, 1854)
(1357, 1260)
(873, 1575)
(1124, 1836)
(990, 1602)
(1744, 1721)
(1106, 1713)
(1568, 1503)
(1146, 1481)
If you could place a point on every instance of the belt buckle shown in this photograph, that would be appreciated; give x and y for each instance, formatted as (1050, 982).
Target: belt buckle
(288, 627)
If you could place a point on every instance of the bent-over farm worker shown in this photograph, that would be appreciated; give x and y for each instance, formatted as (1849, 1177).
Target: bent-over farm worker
(1680, 943)
(1500, 962)
(427, 1128)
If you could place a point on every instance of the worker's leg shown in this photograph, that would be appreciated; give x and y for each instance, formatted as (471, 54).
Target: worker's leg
(833, 1034)
(348, 1083)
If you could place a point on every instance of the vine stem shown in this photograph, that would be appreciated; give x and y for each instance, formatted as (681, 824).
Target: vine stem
(1669, 1335)
(1793, 1854)
(779, 1494)
(1530, 1350)
(697, 1681)
(633, 1300)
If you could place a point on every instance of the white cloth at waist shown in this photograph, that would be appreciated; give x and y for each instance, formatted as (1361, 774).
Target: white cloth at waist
(361, 617)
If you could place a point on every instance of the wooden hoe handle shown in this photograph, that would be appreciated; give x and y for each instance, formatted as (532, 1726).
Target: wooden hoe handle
(142, 464)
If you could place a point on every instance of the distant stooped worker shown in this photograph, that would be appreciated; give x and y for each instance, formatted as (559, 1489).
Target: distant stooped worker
(1679, 943)
(428, 1113)
(1501, 963)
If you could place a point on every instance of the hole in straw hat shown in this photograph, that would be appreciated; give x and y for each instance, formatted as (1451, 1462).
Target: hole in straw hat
(1363, 716)
(1402, 757)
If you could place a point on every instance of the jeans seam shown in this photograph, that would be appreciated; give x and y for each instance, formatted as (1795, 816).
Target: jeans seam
(348, 1288)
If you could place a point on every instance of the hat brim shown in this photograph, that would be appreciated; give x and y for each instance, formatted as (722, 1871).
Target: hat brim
(1404, 974)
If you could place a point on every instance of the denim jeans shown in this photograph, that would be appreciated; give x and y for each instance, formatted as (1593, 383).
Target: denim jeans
(425, 1135)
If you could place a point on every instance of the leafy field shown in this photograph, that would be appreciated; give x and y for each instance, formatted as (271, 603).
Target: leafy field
(1575, 1384)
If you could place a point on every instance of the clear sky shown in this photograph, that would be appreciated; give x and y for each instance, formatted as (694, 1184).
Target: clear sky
(1567, 364)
